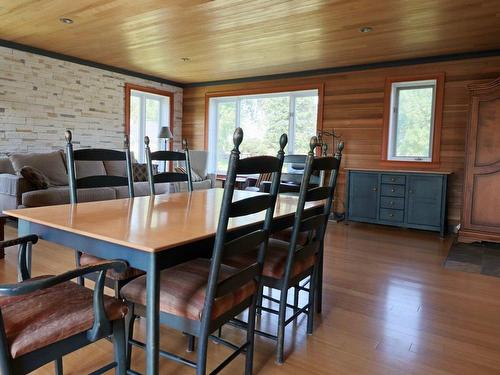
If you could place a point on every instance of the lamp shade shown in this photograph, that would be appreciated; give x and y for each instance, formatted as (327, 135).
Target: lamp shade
(165, 133)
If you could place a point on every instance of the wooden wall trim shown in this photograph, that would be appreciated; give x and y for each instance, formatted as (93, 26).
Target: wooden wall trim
(438, 121)
(265, 90)
(151, 90)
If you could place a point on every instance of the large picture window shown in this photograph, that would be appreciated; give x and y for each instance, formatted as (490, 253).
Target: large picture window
(413, 120)
(148, 110)
(263, 118)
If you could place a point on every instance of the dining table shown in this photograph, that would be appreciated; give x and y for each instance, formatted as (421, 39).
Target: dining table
(150, 233)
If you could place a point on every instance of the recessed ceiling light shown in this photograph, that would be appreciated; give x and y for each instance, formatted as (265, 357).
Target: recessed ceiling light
(66, 20)
(185, 59)
(366, 29)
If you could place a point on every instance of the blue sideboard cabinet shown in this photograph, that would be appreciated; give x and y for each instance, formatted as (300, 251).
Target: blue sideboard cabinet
(407, 199)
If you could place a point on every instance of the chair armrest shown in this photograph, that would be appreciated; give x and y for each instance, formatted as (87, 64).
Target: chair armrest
(22, 255)
(29, 286)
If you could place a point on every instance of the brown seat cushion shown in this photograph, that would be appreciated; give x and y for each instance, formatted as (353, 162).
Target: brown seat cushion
(286, 235)
(182, 290)
(35, 320)
(129, 273)
(274, 265)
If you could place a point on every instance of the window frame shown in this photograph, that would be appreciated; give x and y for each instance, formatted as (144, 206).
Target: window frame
(392, 87)
(259, 92)
(129, 87)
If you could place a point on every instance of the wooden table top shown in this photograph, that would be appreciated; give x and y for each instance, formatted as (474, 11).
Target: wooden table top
(150, 223)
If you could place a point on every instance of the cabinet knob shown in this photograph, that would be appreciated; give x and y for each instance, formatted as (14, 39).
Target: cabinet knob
(393, 179)
(391, 203)
(410, 191)
(393, 190)
(391, 215)
(374, 188)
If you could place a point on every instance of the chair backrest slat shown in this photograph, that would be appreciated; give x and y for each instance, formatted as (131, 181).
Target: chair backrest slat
(168, 156)
(311, 223)
(244, 244)
(170, 177)
(257, 164)
(250, 205)
(325, 163)
(100, 181)
(98, 154)
(96, 181)
(317, 193)
(256, 239)
(237, 280)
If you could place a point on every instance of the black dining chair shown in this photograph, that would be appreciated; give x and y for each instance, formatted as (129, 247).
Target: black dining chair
(199, 296)
(302, 238)
(168, 176)
(46, 317)
(114, 280)
(287, 264)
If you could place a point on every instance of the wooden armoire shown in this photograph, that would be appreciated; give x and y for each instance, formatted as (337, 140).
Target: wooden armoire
(481, 208)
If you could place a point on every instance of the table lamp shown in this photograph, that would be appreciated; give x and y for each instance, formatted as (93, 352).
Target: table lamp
(165, 134)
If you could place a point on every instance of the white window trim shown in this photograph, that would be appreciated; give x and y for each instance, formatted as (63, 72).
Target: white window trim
(164, 117)
(393, 120)
(213, 115)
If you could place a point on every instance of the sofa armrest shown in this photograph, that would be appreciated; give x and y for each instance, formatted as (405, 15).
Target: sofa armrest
(13, 185)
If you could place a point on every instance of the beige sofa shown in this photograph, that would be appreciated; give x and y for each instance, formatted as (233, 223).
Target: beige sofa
(16, 192)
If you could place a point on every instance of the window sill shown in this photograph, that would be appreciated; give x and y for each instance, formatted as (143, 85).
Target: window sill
(410, 164)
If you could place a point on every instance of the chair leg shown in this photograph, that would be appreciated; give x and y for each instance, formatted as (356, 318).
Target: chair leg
(58, 363)
(296, 296)
(250, 337)
(191, 343)
(281, 326)
(319, 286)
(80, 280)
(120, 346)
(259, 299)
(129, 326)
(201, 360)
(313, 284)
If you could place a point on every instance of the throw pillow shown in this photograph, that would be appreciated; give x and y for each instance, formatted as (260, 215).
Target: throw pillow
(35, 178)
(140, 172)
(194, 176)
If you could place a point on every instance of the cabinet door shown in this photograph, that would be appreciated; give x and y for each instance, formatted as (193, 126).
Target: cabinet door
(363, 196)
(424, 200)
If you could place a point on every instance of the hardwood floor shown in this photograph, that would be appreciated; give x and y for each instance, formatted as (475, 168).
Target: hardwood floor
(389, 308)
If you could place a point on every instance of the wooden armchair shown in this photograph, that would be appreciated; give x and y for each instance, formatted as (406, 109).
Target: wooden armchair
(46, 317)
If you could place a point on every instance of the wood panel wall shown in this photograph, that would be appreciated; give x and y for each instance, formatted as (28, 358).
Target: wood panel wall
(353, 106)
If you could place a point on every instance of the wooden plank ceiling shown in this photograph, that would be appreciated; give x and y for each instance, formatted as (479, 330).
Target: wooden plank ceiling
(226, 39)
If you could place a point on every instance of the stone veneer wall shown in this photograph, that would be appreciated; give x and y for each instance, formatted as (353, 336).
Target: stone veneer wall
(41, 97)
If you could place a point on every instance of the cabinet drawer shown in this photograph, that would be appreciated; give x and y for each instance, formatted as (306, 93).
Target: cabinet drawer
(391, 215)
(390, 202)
(393, 179)
(392, 190)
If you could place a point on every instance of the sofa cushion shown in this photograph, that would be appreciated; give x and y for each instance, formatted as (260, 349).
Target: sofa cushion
(200, 185)
(35, 177)
(115, 167)
(6, 166)
(86, 168)
(51, 164)
(60, 195)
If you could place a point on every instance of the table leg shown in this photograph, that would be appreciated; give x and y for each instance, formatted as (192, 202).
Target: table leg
(153, 317)
(23, 229)
(319, 286)
(3, 219)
